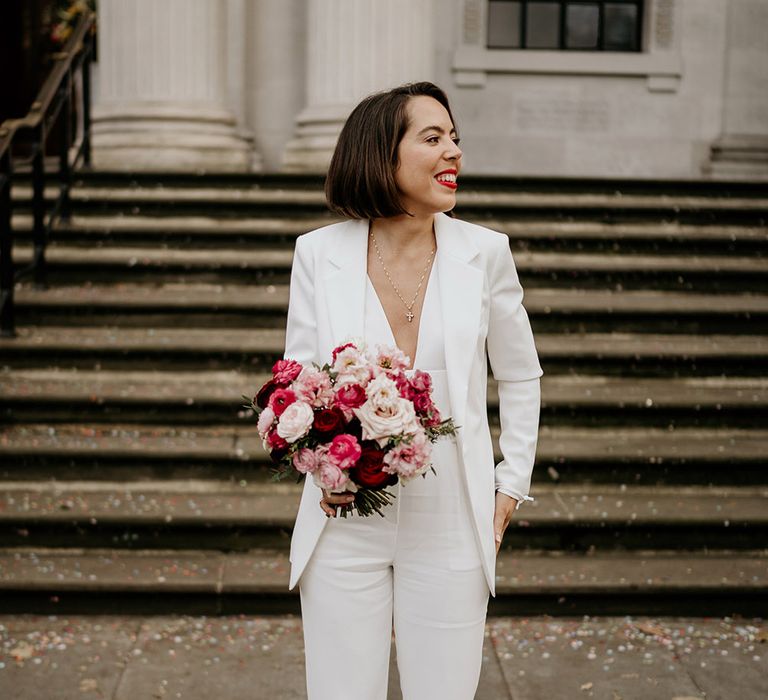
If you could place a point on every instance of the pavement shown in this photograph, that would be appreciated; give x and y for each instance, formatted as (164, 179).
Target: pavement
(120, 657)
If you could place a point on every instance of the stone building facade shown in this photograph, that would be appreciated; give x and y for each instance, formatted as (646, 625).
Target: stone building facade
(265, 85)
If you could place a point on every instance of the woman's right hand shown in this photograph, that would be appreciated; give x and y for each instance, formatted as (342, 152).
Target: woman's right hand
(330, 499)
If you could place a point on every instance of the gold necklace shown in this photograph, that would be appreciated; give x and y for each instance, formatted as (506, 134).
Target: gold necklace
(409, 314)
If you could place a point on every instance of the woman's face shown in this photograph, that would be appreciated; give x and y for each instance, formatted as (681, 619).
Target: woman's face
(429, 158)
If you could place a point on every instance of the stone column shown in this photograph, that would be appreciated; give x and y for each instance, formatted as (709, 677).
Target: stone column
(168, 86)
(741, 151)
(355, 47)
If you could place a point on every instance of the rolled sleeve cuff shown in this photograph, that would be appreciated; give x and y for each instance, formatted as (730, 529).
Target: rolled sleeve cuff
(518, 497)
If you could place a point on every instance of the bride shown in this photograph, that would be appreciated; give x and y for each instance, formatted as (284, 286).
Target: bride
(400, 271)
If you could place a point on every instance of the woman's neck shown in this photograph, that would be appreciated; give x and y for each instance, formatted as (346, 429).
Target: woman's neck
(404, 235)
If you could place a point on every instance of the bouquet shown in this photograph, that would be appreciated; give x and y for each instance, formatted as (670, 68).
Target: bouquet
(357, 424)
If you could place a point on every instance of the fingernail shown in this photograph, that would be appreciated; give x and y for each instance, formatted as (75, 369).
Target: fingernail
(498, 538)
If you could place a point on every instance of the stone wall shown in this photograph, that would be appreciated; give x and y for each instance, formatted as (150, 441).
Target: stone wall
(287, 72)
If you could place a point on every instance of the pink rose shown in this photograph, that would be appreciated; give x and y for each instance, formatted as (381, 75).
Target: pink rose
(295, 421)
(329, 476)
(285, 371)
(266, 419)
(280, 400)
(344, 451)
(305, 460)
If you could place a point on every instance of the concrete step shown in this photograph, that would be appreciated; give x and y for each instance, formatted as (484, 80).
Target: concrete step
(233, 195)
(558, 444)
(557, 582)
(260, 227)
(259, 296)
(192, 514)
(210, 397)
(492, 183)
(67, 263)
(208, 305)
(546, 233)
(257, 349)
(234, 201)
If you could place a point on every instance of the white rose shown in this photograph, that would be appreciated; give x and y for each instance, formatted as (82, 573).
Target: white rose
(383, 393)
(380, 424)
(295, 421)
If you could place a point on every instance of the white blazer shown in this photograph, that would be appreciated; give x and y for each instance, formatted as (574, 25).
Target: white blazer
(481, 300)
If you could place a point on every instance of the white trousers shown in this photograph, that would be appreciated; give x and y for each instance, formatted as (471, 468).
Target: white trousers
(417, 568)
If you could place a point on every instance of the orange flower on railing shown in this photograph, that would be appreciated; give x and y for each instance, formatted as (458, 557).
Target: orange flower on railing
(68, 14)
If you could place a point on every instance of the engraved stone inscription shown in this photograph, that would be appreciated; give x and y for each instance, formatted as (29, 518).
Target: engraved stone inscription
(664, 23)
(472, 22)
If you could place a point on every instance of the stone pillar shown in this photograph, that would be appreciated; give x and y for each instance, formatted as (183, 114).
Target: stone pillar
(741, 151)
(168, 86)
(355, 47)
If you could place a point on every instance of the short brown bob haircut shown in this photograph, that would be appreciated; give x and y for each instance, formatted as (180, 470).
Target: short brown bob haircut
(361, 177)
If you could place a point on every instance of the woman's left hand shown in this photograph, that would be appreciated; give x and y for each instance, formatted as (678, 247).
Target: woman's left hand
(505, 506)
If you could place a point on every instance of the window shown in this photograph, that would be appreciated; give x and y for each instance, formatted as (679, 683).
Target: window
(601, 25)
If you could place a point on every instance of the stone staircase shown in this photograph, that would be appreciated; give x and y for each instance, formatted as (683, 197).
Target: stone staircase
(134, 479)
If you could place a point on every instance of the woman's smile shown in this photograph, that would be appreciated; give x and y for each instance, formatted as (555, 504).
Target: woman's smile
(447, 178)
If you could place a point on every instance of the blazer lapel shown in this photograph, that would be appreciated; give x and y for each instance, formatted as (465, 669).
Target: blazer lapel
(345, 282)
(461, 287)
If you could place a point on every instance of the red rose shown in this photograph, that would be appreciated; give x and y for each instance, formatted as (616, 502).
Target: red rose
(262, 397)
(354, 427)
(277, 445)
(422, 403)
(338, 349)
(403, 385)
(421, 381)
(285, 371)
(351, 396)
(328, 421)
(280, 400)
(275, 442)
(367, 472)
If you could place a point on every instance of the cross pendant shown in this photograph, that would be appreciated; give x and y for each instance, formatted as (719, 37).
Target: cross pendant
(409, 315)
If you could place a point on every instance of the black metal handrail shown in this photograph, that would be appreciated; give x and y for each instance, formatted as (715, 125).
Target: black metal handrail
(55, 99)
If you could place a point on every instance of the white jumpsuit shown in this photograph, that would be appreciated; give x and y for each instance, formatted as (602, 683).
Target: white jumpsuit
(418, 567)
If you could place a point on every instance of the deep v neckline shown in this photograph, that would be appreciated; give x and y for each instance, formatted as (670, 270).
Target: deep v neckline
(421, 315)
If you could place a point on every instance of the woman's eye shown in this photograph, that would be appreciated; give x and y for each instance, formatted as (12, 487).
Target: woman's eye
(436, 139)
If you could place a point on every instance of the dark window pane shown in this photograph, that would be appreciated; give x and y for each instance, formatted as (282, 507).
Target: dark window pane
(504, 25)
(620, 27)
(581, 26)
(542, 25)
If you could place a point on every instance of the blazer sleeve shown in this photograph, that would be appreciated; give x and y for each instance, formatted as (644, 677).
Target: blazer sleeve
(301, 325)
(515, 366)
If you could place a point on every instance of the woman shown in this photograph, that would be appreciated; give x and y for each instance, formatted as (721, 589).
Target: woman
(400, 271)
